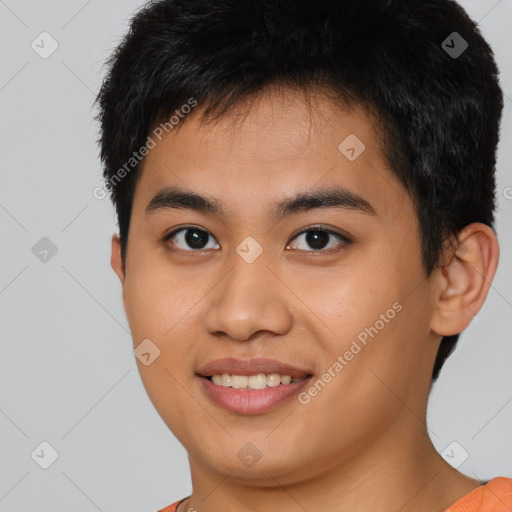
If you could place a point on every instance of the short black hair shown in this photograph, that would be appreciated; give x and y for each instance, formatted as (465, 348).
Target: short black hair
(438, 103)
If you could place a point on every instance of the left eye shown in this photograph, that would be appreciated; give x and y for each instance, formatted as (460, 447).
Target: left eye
(318, 239)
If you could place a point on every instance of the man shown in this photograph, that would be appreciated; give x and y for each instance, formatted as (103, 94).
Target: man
(305, 196)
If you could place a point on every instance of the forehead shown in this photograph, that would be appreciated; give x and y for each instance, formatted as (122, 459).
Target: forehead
(279, 123)
(276, 144)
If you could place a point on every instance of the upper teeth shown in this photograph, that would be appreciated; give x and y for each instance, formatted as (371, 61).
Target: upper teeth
(259, 381)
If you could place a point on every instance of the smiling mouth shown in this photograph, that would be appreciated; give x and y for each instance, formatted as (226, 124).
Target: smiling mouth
(253, 382)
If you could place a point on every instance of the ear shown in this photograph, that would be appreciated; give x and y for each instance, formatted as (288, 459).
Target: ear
(464, 278)
(116, 260)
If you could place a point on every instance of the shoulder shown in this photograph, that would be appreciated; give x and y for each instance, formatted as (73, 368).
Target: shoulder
(495, 496)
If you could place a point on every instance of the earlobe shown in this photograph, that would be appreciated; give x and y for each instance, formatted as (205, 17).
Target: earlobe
(116, 260)
(464, 278)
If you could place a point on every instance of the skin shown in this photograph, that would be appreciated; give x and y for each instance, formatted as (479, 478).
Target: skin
(362, 442)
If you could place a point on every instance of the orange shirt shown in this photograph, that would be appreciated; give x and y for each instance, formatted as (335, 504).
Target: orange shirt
(495, 496)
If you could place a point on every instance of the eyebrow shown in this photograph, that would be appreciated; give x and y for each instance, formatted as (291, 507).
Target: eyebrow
(332, 197)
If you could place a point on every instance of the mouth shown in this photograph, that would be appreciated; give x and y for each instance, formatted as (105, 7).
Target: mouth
(251, 386)
(251, 367)
(256, 381)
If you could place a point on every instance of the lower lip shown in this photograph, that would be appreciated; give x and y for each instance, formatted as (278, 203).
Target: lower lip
(255, 401)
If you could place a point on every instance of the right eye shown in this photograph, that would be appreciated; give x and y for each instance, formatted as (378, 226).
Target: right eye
(195, 238)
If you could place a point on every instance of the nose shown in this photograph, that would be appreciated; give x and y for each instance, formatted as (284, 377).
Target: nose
(250, 298)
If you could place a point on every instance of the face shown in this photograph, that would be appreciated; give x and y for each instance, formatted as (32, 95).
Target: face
(280, 279)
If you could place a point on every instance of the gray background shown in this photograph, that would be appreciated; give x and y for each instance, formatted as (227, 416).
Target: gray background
(68, 374)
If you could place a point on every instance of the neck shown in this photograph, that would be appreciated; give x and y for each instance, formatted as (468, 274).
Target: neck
(399, 471)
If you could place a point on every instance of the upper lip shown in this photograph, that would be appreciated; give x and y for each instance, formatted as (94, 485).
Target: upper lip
(251, 366)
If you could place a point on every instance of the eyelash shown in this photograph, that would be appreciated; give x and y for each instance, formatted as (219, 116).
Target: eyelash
(343, 239)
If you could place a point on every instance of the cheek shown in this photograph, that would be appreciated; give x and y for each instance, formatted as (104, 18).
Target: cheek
(349, 299)
(366, 314)
(162, 304)
(158, 299)
(159, 307)
(147, 308)
(382, 353)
